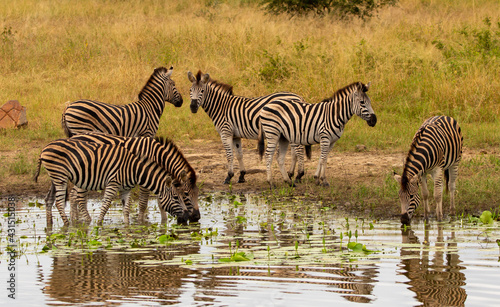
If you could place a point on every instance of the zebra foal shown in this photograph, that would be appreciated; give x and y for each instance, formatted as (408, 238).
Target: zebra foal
(236, 117)
(163, 152)
(283, 122)
(436, 149)
(92, 166)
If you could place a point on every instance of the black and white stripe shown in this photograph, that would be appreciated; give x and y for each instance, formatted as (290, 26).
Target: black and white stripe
(297, 122)
(235, 117)
(92, 166)
(140, 118)
(165, 153)
(436, 149)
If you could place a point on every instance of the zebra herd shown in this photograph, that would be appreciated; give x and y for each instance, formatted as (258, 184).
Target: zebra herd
(113, 148)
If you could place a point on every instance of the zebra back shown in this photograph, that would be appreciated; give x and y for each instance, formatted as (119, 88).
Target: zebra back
(306, 124)
(140, 118)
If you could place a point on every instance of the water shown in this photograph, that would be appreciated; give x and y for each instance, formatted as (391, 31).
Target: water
(294, 252)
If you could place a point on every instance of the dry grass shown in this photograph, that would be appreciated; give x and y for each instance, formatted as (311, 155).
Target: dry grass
(423, 57)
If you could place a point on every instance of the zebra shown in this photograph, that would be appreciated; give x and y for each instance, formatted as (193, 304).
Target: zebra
(93, 166)
(297, 122)
(164, 152)
(140, 118)
(236, 117)
(436, 149)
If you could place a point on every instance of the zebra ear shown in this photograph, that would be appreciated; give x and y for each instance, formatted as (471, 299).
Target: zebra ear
(397, 178)
(367, 87)
(183, 176)
(191, 77)
(205, 78)
(169, 71)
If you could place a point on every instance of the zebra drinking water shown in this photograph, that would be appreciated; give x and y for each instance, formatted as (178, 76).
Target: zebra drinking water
(436, 149)
(298, 122)
(92, 166)
(236, 117)
(163, 152)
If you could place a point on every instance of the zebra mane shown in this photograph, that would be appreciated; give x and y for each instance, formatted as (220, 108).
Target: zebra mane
(158, 71)
(345, 90)
(190, 170)
(221, 86)
(416, 140)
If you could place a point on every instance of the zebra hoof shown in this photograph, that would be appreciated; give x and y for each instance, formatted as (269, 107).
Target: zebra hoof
(242, 177)
(227, 181)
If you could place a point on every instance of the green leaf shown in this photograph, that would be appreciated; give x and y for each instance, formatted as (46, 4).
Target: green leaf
(164, 239)
(486, 217)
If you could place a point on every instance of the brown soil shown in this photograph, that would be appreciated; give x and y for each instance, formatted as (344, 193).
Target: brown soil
(344, 172)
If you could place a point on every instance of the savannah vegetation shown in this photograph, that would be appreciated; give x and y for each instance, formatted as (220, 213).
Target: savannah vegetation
(423, 57)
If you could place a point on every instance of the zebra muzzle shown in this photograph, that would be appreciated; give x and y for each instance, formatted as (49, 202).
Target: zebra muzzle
(194, 106)
(372, 121)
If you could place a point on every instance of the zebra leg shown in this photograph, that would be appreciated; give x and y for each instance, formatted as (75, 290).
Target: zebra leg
(300, 153)
(81, 201)
(49, 201)
(270, 149)
(125, 197)
(437, 176)
(283, 143)
(61, 201)
(239, 156)
(294, 153)
(163, 215)
(227, 142)
(73, 204)
(323, 159)
(143, 203)
(109, 193)
(425, 198)
(453, 174)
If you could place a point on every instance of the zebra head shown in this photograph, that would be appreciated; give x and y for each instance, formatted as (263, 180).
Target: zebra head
(197, 89)
(362, 104)
(408, 196)
(171, 94)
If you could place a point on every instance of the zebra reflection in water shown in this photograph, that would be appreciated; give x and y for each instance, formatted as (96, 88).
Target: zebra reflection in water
(436, 280)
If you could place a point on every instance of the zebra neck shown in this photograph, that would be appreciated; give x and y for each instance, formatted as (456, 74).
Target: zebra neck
(215, 100)
(341, 111)
(151, 176)
(153, 100)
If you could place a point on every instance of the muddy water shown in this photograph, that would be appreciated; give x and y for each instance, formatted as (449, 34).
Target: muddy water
(292, 254)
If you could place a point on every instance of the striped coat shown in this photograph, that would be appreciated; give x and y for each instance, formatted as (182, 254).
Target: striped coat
(436, 149)
(92, 166)
(284, 122)
(235, 117)
(140, 118)
(163, 152)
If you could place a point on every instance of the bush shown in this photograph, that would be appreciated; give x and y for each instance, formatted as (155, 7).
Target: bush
(344, 9)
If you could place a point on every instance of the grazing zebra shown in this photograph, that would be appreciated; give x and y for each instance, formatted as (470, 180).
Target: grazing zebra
(93, 166)
(236, 117)
(287, 122)
(140, 118)
(163, 152)
(436, 149)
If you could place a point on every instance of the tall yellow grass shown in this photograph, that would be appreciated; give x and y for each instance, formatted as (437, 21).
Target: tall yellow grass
(422, 58)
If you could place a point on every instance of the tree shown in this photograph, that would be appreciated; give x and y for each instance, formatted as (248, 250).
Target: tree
(344, 9)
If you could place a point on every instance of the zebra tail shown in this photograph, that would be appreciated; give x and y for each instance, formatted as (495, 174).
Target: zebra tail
(308, 152)
(261, 145)
(37, 170)
(446, 180)
(64, 124)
